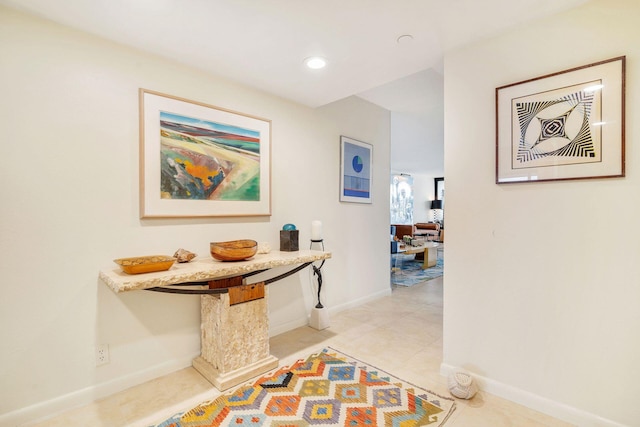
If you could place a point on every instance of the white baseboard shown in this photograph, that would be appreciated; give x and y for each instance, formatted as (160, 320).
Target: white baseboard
(288, 326)
(60, 404)
(359, 301)
(57, 405)
(297, 323)
(541, 404)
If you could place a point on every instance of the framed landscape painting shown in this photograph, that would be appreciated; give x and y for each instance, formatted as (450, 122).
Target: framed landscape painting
(197, 160)
(356, 159)
(562, 126)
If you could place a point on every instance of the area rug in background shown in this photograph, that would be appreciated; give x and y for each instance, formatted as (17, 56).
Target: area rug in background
(407, 271)
(328, 388)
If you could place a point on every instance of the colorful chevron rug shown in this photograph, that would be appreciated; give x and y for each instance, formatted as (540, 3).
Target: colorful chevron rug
(327, 389)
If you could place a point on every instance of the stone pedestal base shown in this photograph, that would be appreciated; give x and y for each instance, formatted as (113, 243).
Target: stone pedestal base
(224, 381)
(319, 318)
(234, 340)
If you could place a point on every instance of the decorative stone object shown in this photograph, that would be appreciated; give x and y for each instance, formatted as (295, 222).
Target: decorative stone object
(289, 227)
(289, 240)
(264, 248)
(183, 255)
(462, 385)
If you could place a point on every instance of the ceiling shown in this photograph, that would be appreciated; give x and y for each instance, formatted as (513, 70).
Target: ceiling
(416, 103)
(263, 44)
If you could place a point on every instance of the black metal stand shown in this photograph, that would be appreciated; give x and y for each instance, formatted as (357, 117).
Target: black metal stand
(317, 272)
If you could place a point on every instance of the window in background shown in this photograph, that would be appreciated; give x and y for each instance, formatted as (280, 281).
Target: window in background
(401, 199)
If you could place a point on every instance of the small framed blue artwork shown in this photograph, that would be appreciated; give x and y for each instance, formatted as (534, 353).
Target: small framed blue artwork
(356, 161)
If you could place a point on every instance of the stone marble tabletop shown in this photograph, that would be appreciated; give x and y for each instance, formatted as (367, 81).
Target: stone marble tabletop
(202, 269)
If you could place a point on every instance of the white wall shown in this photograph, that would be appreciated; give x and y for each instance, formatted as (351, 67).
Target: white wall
(542, 289)
(69, 120)
(417, 146)
(417, 141)
(417, 121)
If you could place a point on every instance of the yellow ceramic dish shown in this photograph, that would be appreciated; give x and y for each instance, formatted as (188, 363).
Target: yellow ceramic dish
(145, 264)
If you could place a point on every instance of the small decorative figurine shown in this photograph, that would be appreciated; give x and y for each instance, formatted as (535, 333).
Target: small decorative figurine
(462, 385)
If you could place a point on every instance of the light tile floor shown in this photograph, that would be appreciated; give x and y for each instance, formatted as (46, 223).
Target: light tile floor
(400, 333)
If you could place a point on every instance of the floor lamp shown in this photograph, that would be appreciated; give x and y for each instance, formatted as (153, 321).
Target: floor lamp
(436, 205)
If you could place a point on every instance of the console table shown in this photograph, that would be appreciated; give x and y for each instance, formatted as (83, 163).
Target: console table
(234, 316)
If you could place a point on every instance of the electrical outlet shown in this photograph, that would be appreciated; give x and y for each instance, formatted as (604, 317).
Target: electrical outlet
(102, 354)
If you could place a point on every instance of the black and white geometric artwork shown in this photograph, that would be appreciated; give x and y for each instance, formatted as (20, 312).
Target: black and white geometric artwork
(567, 125)
(559, 128)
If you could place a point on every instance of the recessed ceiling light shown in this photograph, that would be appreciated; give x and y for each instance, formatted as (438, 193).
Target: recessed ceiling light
(315, 62)
(405, 38)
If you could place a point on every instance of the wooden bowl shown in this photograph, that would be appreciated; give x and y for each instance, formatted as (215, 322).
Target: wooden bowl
(235, 250)
(145, 264)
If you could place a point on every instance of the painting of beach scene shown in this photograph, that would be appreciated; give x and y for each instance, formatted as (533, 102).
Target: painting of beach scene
(202, 161)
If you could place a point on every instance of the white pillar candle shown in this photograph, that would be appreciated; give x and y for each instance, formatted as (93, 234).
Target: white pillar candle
(316, 230)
